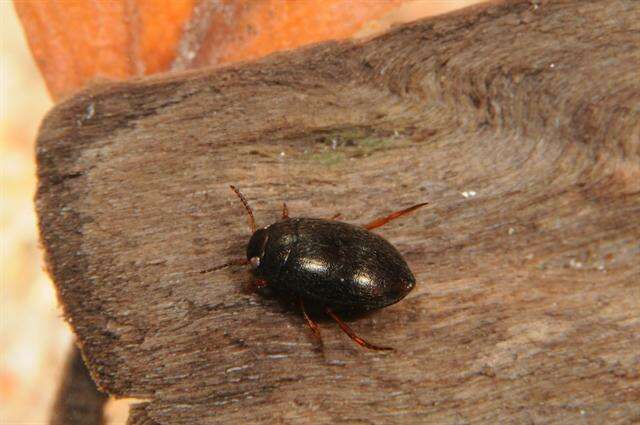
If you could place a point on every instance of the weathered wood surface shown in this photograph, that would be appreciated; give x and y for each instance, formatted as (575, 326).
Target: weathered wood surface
(518, 122)
(138, 415)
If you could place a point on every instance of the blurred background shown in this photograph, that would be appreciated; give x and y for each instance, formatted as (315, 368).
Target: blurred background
(34, 339)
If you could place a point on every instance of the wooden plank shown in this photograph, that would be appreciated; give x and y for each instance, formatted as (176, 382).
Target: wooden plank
(78, 402)
(138, 415)
(517, 121)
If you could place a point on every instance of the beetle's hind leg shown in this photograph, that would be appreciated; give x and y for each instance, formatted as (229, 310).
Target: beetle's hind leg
(285, 211)
(384, 220)
(358, 340)
(312, 324)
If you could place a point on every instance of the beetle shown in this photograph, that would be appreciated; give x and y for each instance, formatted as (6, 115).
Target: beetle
(337, 266)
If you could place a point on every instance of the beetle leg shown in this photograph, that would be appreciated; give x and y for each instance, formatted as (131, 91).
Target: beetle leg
(358, 340)
(260, 283)
(285, 211)
(313, 325)
(333, 217)
(384, 220)
(236, 262)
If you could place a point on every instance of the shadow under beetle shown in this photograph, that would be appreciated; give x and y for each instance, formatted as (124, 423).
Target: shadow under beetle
(334, 265)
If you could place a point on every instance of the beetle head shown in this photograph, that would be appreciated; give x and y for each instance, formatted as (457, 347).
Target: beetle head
(256, 246)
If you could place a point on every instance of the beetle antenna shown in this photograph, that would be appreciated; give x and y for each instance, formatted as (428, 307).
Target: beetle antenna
(237, 262)
(252, 221)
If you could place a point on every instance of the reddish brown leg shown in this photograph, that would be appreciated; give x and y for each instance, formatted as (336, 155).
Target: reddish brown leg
(236, 262)
(346, 329)
(384, 220)
(285, 211)
(260, 283)
(313, 325)
(335, 216)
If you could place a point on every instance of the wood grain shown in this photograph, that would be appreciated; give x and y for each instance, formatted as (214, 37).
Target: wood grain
(138, 415)
(517, 121)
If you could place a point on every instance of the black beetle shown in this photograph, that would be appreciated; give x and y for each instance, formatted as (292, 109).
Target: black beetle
(335, 265)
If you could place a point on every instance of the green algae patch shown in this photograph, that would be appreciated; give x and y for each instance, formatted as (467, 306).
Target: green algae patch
(333, 149)
(328, 158)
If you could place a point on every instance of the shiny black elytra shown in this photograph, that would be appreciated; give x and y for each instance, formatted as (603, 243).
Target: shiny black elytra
(335, 265)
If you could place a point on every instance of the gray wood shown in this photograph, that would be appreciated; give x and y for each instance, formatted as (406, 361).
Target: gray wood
(519, 122)
(138, 415)
(78, 402)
